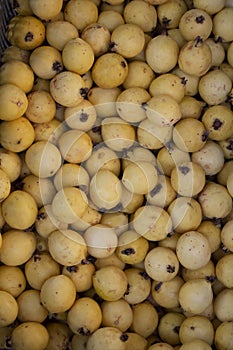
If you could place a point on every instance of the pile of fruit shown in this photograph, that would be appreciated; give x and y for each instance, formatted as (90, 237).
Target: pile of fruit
(116, 175)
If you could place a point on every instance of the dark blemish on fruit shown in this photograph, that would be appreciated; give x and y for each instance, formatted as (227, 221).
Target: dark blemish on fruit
(85, 262)
(158, 286)
(176, 329)
(205, 136)
(28, 37)
(144, 106)
(198, 40)
(96, 129)
(184, 169)
(224, 249)
(230, 146)
(144, 275)
(83, 92)
(165, 21)
(123, 64)
(19, 141)
(41, 216)
(124, 337)
(83, 331)
(156, 190)
(128, 251)
(72, 268)
(83, 117)
(36, 258)
(192, 328)
(200, 19)
(184, 80)
(170, 234)
(210, 279)
(112, 46)
(217, 221)
(19, 285)
(57, 66)
(218, 39)
(19, 103)
(217, 124)
(127, 289)
(170, 268)
(90, 259)
(8, 342)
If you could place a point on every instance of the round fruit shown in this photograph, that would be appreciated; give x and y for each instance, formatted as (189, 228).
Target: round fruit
(110, 283)
(193, 250)
(77, 56)
(58, 293)
(161, 264)
(28, 335)
(67, 247)
(162, 53)
(110, 70)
